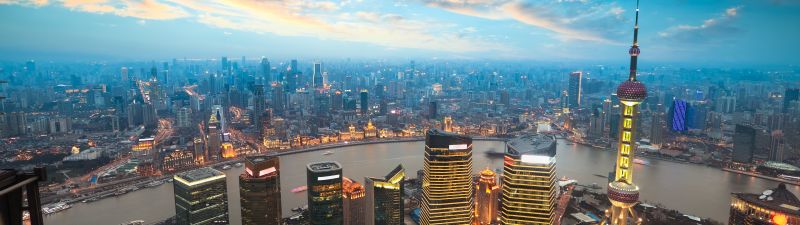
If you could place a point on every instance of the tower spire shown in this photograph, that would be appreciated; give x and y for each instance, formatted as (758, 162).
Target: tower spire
(634, 51)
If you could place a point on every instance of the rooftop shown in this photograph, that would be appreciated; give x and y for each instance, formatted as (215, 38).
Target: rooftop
(533, 144)
(324, 166)
(779, 199)
(199, 176)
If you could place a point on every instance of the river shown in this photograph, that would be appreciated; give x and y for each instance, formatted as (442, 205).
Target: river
(692, 189)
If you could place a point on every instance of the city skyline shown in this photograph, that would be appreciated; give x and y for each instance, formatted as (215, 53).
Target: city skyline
(483, 112)
(706, 33)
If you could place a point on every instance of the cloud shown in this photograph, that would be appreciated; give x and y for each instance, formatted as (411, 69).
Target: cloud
(35, 3)
(567, 19)
(303, 18)
(715, 28)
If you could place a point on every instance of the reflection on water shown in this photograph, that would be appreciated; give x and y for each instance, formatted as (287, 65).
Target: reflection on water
(692, 189)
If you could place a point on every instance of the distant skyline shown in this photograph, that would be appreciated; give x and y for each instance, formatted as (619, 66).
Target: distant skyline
(735, 32)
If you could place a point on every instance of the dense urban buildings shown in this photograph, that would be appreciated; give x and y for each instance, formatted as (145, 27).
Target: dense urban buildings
(529, 181)
(325, 193)
(201, 197)
(121, 123)
(260, 190)
(384, 198)
(447, 184)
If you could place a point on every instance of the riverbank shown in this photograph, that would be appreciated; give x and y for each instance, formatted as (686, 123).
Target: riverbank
(762, 176)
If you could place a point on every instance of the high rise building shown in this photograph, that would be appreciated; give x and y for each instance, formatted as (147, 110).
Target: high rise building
(319, 83)
(486, 197)
(201, 197)
(744, 143)
(529, 189)
(353, 202)
(726, 104)
(772, 207)
(266, 72)
(324, 181)
(447, 185)
(259, 106)
(214, 137)
(678, 115)
(622, 192)
(337, 100)
(200, 154)
(433, 110)
(364, 102)
(260, 190)
(777, 146)
(385, 198)
(574, 92)
(447, 124)
(657, 128)
(791, 94)
(124, 74)
(183, 117)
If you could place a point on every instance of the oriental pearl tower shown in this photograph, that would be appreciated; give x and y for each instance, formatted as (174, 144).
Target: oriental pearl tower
(622, 192)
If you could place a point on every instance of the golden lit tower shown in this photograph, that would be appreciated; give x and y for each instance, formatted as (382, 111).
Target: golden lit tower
(447, 184)
(486, 196)
(622, 192)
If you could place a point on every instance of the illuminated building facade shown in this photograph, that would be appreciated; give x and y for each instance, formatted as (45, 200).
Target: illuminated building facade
(177, 160)
(384, 198)
(324, 181)
(353, 202)
(679, 115)
(260, 190)
(447, 184)
(200, 197)
(771, 207)
(199, 150)
(529, 191)
(214, 137)
(486, 195)
(622, 192)
(447, 124)
(227, 150)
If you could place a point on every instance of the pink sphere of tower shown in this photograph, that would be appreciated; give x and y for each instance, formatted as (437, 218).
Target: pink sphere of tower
(632, 91)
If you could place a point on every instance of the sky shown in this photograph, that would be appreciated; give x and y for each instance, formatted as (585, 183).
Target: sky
(733, 32)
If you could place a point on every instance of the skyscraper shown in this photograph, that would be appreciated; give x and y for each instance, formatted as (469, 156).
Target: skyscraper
(200, 197)
(678, 115)
(447, 184)
(364, 102)
(214, 137)
(622, 192)
(744, 143)
(319, 83)
(260, 191)
(433, 110)
(529, 189)
(259, 106)
(791, 94)
(384, 198)
(353, 202)
(574, 92)
(266, 72)
(324, 181)
(776, 146)
(183, 117)
(486, 195)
